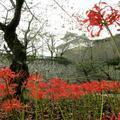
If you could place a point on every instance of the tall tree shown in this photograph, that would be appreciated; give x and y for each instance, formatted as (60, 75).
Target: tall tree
(17, 48)
(50, 42)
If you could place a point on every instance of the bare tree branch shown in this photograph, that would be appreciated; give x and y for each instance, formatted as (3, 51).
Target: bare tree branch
(26, 40)
(12, 2)
(41, 27)
(31, 12)
(64, 10)
(8, 10)
(16, 19)
(3, 5)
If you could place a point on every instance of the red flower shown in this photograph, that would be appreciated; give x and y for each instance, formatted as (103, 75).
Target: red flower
(100, 15)
(75, 91)
(35, 77)
(96, 86)
(36, 86)
(10, 105)
(57, 89)
(6, 73)
(7, 87)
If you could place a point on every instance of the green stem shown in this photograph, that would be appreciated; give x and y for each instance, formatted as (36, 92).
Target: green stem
(74, 110)
(112, 38)
(42, 109)
(22, 115)
(101, 111)
(61, 111)
(36, 112)
(52, 108)
(36, 103)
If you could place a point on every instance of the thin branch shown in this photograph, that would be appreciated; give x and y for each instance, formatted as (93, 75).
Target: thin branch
(3, 6)
(41, 27)
(35, 49)
(31, 12)
(13, 4)
(6, 17)
(26, 40)
(64, 10)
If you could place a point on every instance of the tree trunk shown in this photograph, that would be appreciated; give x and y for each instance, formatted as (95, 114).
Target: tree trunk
(18, 50)
(19, 58)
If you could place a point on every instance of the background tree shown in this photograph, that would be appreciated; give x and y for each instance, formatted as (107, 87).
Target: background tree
(67, 39)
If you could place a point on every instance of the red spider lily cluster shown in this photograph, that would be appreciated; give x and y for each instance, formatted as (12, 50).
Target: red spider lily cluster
(6, 84)
(35, 86)
(98, 17)
(7, 89)
(57, 89)
(11, 104)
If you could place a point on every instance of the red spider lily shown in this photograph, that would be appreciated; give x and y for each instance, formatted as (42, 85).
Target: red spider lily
(36, 87)
(2, 89)
(96, 86)
(57, 90)
(91, 87)
(6, 85)
(37, 90)
(10, 105)
(6, 73)
(75, 91)
(35, 77)
(7, 90)
(37, 94)
(113, 85)
(32, 80)
(99, 16)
